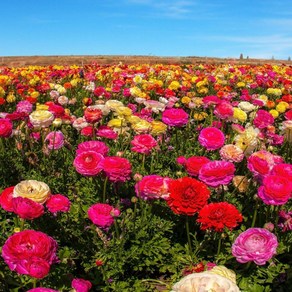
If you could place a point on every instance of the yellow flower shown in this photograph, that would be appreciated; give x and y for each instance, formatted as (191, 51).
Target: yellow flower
(35, 94)
(239, 114)
(158, 128)
(57, 122)
(142, 127)
(116, 123)
(113, 104)
(133, 119)
(2, 92)
(10, 98)
(281, 108)
(185, 100)
(32, 189)
(203, 90)
(274, 113)
(138, 78)
(41, 118)
(123, 111)
(240, 84)
(174, 85)
(223, 271)
(200, 116)
(274, 91)
(41, 107)
(201, 83)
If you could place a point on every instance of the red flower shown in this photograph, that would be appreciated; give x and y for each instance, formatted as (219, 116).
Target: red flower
(217, 216)
(92, 114)
(187, 196)
(6, 199)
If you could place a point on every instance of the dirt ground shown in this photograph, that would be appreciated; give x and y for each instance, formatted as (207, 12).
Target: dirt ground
(23, 61)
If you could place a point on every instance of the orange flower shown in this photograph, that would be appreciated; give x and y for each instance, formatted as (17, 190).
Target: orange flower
(270, 104)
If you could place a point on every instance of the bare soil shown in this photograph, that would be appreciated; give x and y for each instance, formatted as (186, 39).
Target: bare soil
(23, 61)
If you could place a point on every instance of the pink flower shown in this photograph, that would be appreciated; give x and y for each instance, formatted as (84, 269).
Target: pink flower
(88, 163)
(211, 138)
(6, 127)
(102, 215)
(35, 267)
(96, 146)
(175, 117)
(143, 143)
(88, 131)
(276, 190)
(260, 163)
(81, 285)
(231, 153)
(106, 132)
(216, 173)
(6, 199)
(55, 140)
(26, 208)
(57, 110)
(255, 244)
(42, 289)
(194, 164)
(285, 220)
(263, 119)
(26, 251)
(283, 169)
(117, 168)
(58, 203)
(152, 187)
(24, 106)
(223, 110)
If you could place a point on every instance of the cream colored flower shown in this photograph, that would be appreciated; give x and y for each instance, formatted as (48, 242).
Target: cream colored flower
(113, 103)
(34, 190)
(123, 111)
(219, 280)
(247, 141)
(246, 106)
(142, 127)
(41, 118)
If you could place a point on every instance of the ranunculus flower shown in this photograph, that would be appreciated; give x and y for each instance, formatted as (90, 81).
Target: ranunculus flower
(24, 106)
(6, 199)
(261, 163)
(88, 131)
(55, 140)
(41, 118)
(217, 279)
(117, 168)
(96, 146)
(26, 208)
(285, 220)
(32, 189)
(106, 132)
(102, 215)
(216, 173)
(175, 117)
(231, 153)
(194, 163)
(217, 216)
(57, 110)
(58, 203)
(276, 190)
(143, 143)
(6, 127)
(211, 138)
(81, 285)
(283, 169)
(88, 163)
(92, 114)
(80, 123)
(152, 187)
(223, 110)
(263, 119)
(27, 251)
(187, 196)
(255, 244)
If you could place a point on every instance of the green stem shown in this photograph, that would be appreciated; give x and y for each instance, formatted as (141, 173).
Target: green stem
(254, 216)
(104, 190)
(219, 245)
(117, 229)
(189, 238)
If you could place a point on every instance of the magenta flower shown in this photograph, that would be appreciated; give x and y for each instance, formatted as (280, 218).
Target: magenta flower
(285, 220)
(194, 163)
(42, 289)
(96, 146)
(58, 203)
(6, 127)
(152, 187)
(81, 285)
(224, 110)
(106, 132)
(276, 190)
(175, 117)
(117, 168)
(88, 163)
(102, 215)
(263, 119)
(26, 208)
(55, 140)
(211, 138)
(143, 143)
(255, 244)
(216, 173)
(24, 106)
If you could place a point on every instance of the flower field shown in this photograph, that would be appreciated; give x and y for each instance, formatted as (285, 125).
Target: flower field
(146, 177)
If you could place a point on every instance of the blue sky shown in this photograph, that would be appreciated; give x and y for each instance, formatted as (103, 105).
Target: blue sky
(204, 28)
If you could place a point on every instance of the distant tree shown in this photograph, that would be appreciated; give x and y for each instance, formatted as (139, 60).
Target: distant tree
(247, 57)
(289, 58)
(241, 56)
(273, 58)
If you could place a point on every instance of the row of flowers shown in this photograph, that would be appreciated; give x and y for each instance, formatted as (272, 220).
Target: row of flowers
(204, 149)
